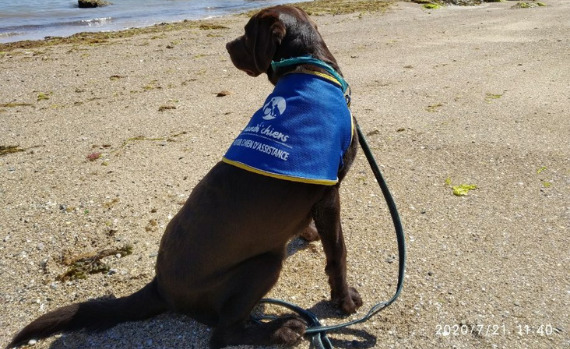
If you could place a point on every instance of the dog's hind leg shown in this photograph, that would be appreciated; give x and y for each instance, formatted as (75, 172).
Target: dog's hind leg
(250, 281)
(326, 214)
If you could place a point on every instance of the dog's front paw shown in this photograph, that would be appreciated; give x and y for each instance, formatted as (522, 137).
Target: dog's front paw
(290, 330)
(349, 302)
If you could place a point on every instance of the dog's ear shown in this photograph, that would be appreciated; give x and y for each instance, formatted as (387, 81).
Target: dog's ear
(268, 32)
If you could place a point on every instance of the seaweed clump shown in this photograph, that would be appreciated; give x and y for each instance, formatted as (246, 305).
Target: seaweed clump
(82, 266)
(9, 149)
(339, 7)
(435, 4)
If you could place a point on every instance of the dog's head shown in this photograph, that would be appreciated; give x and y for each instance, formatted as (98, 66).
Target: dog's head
(275, 33)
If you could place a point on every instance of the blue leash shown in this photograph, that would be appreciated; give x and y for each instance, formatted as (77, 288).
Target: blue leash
(315, 329)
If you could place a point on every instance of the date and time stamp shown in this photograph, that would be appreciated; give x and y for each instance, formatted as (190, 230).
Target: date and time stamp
(495, 330)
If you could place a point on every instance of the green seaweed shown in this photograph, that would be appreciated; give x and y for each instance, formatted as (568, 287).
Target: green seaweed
(211, 26)
(463, 189)
(491, 96)
(339, 7)
(431, 6)
(43, 96)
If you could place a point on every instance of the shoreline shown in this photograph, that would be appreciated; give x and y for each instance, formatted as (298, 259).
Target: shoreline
(100, 37)
(64, 19)
(315, 7)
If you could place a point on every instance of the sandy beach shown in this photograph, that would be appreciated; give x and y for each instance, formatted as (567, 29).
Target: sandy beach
(102, 139)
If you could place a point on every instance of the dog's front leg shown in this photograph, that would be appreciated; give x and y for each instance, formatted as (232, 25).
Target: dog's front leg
(326, 215)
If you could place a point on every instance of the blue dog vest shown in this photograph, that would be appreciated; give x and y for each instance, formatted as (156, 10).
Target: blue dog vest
(300, 134)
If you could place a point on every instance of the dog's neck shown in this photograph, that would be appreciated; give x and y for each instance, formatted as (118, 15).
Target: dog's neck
(311, 61)
(306, 63)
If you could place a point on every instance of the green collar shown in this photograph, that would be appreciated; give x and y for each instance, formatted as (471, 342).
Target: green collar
(313, 61)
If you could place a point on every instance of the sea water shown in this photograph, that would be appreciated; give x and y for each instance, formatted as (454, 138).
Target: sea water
(37, 19)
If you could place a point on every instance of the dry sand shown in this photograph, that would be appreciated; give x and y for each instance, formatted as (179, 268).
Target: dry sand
(460, 95)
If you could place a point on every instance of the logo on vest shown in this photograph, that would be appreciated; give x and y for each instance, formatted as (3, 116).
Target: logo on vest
(274, 108)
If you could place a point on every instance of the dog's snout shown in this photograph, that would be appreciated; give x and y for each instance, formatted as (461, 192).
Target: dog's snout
(233, 43)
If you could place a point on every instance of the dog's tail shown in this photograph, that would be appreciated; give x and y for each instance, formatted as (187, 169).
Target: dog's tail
(96, 314)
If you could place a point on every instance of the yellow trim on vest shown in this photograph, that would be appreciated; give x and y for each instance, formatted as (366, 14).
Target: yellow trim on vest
(351, 127)
(322, 75)
(278, 176)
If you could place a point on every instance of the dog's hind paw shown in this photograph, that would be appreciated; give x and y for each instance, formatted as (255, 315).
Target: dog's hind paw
(310, 233)
(290, 330)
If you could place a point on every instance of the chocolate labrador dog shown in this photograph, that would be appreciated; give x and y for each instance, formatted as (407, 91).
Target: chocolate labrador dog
(224, 250)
